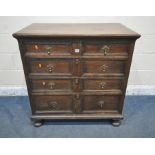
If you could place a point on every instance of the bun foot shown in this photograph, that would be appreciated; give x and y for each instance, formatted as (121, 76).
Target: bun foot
(38, 123)
(116, 123)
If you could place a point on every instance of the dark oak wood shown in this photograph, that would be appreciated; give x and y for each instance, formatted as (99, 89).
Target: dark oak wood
(77, 29)
(101, 67)
(52, 85)
(47, 104)
(97, 49)
(100, 104)
(76, 71)
(101, 85)
(50, 66)
(54, 49)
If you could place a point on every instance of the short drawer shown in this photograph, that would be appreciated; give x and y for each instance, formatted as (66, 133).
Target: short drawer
(51, 85)
(91, 67)
(102, 84)
(52, 66)
(100, 103)
(105, 49)
(50, 49)
(52, 103)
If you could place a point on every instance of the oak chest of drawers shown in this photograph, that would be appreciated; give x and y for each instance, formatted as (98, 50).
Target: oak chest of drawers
(76, 71)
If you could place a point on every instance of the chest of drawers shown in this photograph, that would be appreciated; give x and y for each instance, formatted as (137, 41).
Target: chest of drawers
(76, 71)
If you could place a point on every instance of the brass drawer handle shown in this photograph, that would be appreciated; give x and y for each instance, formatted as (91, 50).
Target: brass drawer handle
(105, 49)
(51, 85)
(53, 105)
(102, 85)
(50, 68)
(48, 52)
(49, 49)
(103, 68)
(101, 104)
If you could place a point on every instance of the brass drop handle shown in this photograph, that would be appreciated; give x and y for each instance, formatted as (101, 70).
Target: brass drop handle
(102, 85)
(101, 104)
(53, 105)
(105, 49)
(50, 68)
(52, 85)
(49, 49)
(48, 52)
(103, 68)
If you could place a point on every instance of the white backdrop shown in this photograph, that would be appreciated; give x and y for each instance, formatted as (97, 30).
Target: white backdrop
(142, 75)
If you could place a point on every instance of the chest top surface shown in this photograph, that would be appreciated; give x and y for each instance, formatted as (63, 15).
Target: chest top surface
(76, 30)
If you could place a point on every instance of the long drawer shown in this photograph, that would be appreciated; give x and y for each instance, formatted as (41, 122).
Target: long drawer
(75, 84)
(77, 67)
(72, 104)
(78, 48)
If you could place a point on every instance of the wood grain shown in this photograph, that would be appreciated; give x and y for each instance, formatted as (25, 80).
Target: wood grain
(76, 71)
(77, 29)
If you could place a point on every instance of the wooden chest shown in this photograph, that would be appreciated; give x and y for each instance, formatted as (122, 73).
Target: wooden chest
(76, 71)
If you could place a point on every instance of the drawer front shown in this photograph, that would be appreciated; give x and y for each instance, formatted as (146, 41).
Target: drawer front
(100, 103)
(75, 48)
(54, 66)
(105, 49)
(102, 84)
(52, 85)
(103, 67)
(50, 49)
(53, 104)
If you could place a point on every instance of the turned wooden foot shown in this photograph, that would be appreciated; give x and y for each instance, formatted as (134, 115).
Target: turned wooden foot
(37, 123)
(116, 123)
